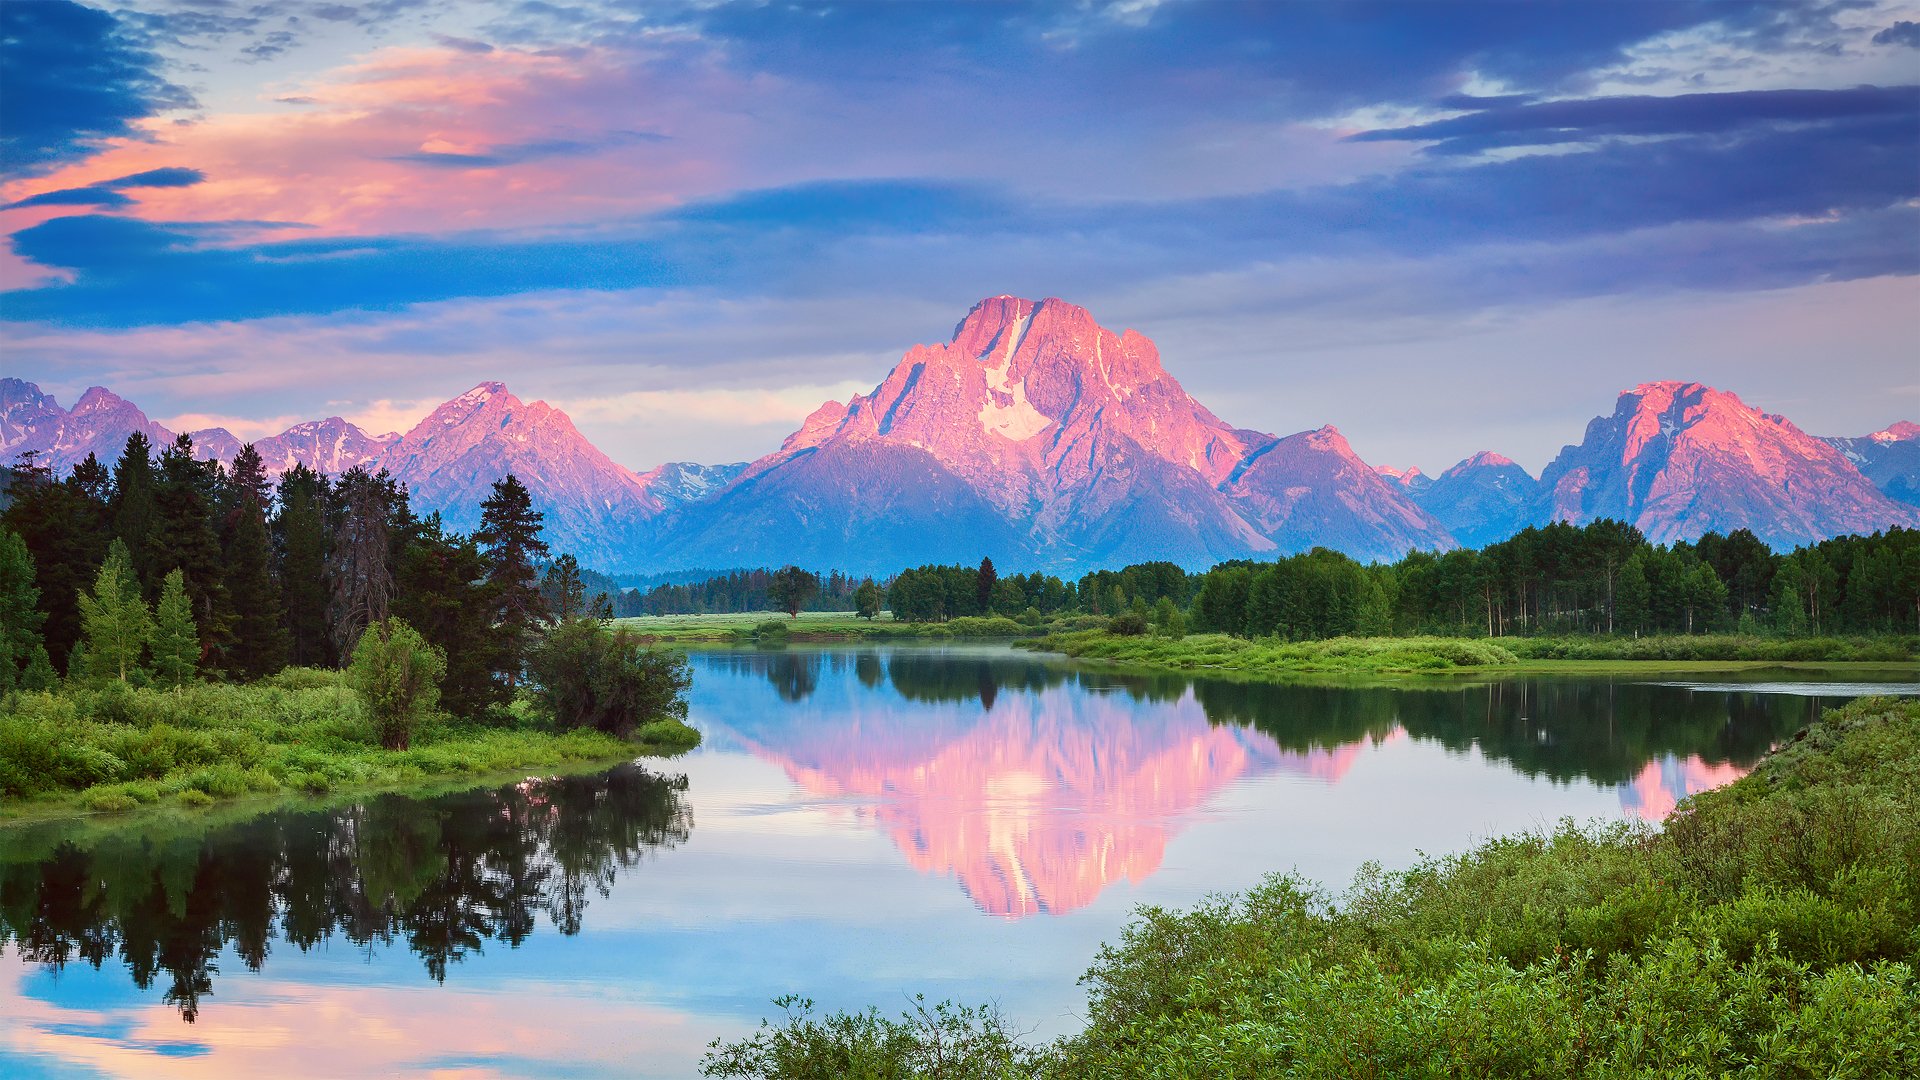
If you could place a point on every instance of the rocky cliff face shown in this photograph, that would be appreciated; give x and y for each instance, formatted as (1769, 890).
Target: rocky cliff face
(1038, 433)
(1482, 500)
(1890, 458)
(1680, 459)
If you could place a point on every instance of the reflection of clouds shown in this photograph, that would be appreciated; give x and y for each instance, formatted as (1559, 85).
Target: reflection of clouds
(285, 1029)
(1044, 799)
(1666, 780)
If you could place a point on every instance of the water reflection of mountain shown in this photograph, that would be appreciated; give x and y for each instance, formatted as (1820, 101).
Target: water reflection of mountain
(1036, 785)
(442, 876)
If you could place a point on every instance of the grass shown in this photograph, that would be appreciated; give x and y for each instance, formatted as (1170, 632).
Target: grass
(1769, 928)
(115, 749)
(1219, 653)
(754, 626)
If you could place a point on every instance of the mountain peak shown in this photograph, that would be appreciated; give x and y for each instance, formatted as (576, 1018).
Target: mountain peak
(1485, 459)
(1900, 432)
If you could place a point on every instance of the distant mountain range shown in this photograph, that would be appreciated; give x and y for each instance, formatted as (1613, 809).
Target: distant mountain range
(1042, 439)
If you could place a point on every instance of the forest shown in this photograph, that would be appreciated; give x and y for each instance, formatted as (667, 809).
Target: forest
(171, 624)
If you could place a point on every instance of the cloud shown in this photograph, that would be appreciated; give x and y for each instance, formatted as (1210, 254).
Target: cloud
(106, 193)
(534, 150)
(1529, 123)
(1905, 32)
(73, 79)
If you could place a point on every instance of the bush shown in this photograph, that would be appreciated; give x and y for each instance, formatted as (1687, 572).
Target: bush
(1127, 624)
(587, 675)
(398, 673)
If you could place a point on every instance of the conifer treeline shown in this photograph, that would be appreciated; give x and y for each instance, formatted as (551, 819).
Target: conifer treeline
(1603, 577)
(266, 574)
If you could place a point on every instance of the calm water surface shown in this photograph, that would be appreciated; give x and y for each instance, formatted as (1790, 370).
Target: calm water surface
(860, 824)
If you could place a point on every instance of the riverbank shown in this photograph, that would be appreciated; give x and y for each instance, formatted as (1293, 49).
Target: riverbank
(1766, 927)
(304, 731)
(1707, 654)
(773, 627)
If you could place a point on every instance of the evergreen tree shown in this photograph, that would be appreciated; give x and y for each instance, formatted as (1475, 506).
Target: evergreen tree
(866, 599)
(984, 582)
(259, 638)
(562, 589)
(360, 557)
(20, 614)
(509, 536)
(176, 640)
(1786, 605)
(114, 620)
(1632, 596)
(185, 538)
(300, 545)
(441, 591)
(134, 510)
(65, 534)
(791, 589)
(1706, 600)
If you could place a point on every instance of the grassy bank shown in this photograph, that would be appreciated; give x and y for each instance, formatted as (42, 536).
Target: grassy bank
(1770, 928)
(116, 748)
(1511, 655)
(760, 626)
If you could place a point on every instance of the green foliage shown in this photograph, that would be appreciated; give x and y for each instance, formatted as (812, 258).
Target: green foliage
(398, 673)
(938, 1042)
(301, 730)
(176, 640)
(1769, 929)
(20, 615)
(1121, 643)
(792, 589)
(115, 621)
(866, 599)
(592, 676)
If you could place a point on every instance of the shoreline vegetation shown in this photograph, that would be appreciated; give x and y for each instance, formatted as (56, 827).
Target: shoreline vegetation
(1771, 926)
(174, 632)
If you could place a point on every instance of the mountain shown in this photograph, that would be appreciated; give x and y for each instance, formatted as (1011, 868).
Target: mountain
(1679, 459)
(1481, 500)
(680, 482)
(1890, 458)
(330, 446)
(98, 424)
(1048, 440)
(1410, 478)
(449, 461)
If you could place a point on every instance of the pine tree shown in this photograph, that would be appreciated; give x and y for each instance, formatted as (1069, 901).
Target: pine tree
(133, 509)
(65, 534)
(185, 539)
(441, 591)
(259, 639)
(1786, 605)
(114, 620)
(176, 640)
(509, 536)
(984, 581)
(565, 594)
(866, 599)
(300, 543)
(1632, 596)
(20, 614)
(359, 560)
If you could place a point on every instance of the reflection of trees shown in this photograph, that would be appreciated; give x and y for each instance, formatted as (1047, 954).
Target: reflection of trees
(930, 676)
(1563, 729)
(445, 875)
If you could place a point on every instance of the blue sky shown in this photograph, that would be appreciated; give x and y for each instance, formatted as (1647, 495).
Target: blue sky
(1443, 227)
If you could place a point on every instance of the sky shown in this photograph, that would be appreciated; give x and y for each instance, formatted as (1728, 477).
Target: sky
(1442, 227)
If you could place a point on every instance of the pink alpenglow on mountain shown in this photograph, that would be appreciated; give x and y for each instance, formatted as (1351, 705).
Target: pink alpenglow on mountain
(1049, 440)
(98, 424)
(1680, 459)
(451, 459)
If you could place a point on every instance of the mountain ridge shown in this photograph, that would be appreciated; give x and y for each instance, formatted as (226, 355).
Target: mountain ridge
(1048, 441)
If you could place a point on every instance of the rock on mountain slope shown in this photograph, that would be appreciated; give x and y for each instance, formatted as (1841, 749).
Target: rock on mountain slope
(1410, 479)
(1890, 458)
(330, 446)
(595, 508)
(1679, 459)
(1039, 436)
(680, 482)
(1481, 500)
